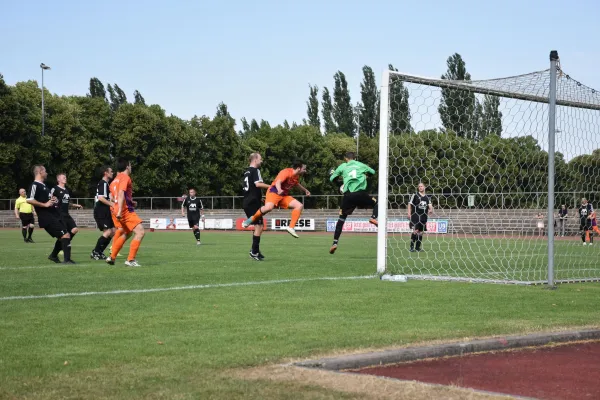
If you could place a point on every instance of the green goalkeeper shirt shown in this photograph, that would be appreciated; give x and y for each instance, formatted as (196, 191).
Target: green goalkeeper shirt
(354, 174)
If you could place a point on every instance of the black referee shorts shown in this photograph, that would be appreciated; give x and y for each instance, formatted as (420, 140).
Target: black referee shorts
(26, 219)
(418, 222)
(193, 220)
(351, 200)
(55, 227)
(69, 222)
(585, 224)
(104, 222)
(251, 208)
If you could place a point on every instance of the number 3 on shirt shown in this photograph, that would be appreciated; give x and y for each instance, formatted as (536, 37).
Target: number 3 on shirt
(246, 184)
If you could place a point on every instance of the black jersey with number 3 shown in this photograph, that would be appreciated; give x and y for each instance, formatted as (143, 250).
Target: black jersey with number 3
(101, 210)
(420, 204)
(252, 193)
(193, 206)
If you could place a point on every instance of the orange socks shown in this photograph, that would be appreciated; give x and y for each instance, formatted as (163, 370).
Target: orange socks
(296, 212)
(257, 215)
(118, 243)
(133, 249)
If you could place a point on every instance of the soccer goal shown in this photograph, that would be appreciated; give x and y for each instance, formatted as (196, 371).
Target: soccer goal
(498, 159)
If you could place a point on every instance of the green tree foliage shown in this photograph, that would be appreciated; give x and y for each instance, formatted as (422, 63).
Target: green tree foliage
(328, 122)
(399, 109)
(117, 96)
(313, 107)
(490, 122)
(97, 89)
(457, 107)
(138, 98)
(343, 113)
(369, 114)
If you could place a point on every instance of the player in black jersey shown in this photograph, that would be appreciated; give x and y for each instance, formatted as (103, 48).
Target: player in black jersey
(102, 215)
(251, 184)
(585, 220)
(195, 211)
(419, 208)
(47, 210)
(63, 194)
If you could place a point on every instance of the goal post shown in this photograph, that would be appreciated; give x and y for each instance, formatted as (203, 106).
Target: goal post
(498, 157)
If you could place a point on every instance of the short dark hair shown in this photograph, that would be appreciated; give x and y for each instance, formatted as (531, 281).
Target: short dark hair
(122, 164)
(298, 164)
(104, 168)
(350, 155)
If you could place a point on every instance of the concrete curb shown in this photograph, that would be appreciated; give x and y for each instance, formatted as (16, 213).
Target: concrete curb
(451, 349)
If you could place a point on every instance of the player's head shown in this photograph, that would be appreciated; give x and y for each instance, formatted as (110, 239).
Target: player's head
(22, 192)
(61, 178)
(421, 187)
(39, 172)
(563, 206)
(192, 192)
(255, 160)
(349, 156)
(584, 201)
(299, 167)
(123, 165)
(107, 172)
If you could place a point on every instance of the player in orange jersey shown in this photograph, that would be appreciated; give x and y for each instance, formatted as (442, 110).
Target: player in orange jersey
(278, 196)
(124, 216)
(589, 237)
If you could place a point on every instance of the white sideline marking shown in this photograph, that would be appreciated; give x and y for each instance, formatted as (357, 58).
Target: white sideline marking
(207, 286)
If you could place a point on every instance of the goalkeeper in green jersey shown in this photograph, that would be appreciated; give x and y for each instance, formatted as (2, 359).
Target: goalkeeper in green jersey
(355, 194)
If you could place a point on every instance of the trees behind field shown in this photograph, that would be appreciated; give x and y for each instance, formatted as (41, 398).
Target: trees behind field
(170, 154)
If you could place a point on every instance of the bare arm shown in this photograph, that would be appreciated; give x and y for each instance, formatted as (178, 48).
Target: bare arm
(409, 210)
(36, 203)
(16, 211)
(120, 201)
(261, 185)
(104, 201)
(430, 208)
(303, 188)
(278, 186)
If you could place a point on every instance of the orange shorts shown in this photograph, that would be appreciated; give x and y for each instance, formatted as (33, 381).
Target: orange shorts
(129, 220)
(279, 201)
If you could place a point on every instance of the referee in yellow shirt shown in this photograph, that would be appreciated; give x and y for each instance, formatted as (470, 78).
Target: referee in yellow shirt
(25, 212)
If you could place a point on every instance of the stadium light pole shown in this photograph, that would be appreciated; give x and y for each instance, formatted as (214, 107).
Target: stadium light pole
(43, 67)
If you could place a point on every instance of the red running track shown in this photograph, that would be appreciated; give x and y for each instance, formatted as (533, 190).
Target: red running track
(562, 372)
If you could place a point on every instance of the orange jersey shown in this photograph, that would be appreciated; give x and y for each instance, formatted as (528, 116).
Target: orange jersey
(288, 181)
(122, 182)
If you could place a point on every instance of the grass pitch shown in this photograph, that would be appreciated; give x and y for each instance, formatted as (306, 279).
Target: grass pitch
(112, 334)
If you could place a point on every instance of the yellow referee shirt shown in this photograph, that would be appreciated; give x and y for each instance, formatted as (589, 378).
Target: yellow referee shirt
(23, 206)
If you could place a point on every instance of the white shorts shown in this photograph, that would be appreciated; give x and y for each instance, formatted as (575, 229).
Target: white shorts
(540, 224)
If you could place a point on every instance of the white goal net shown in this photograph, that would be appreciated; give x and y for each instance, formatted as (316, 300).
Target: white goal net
(481, 148)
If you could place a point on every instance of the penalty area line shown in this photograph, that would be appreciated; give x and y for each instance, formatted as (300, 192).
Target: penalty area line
(191, 287)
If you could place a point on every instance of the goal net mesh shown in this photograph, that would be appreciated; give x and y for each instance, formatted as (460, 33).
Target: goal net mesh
(481, 149)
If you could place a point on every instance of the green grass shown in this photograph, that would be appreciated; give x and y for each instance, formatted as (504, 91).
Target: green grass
(181, 343)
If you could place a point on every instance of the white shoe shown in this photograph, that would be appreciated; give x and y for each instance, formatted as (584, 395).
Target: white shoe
(591, 244)
(584, 243)
(198, 243)
(292, 232)
(132, 263)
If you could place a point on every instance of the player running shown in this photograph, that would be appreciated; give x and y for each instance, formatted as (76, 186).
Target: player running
(355, 194)
(195, 211)
(63, 195)
(49, 216)
(102, 215)
(25, 212)
(124, 216)
(252, 183)
(590, 236)
(585, 220)
(278, 196)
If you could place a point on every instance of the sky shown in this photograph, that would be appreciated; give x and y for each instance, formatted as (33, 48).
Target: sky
(259, 56)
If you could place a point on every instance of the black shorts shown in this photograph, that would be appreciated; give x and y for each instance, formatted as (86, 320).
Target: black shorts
(104, 222)
(351, 200)
(193, 220)
(69, 222)
(585, 224)
(55, 227)
(26, 219)
(418, 222)
(250, 209)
